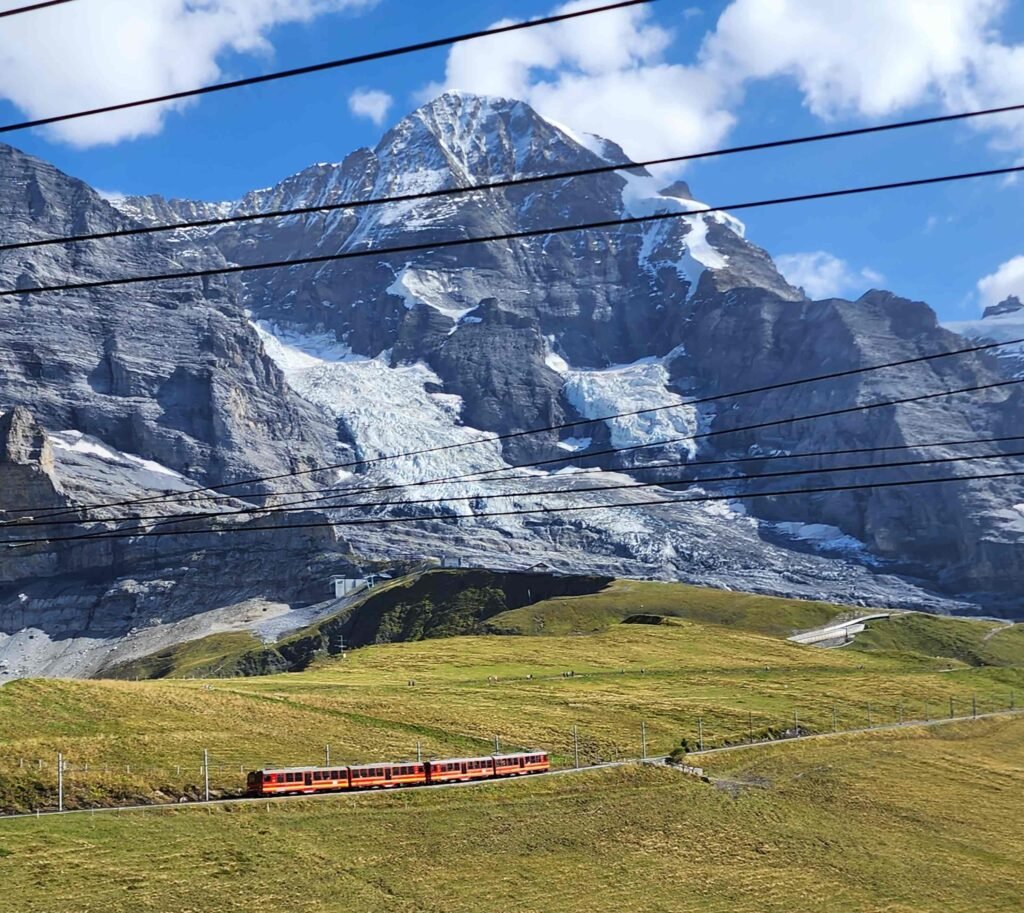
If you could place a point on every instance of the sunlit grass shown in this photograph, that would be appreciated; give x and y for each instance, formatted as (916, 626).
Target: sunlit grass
(909, 821)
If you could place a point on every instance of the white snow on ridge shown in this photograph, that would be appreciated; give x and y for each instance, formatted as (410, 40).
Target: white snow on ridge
(575, 444)
(999, 328)
(641, 198)
(84, 445)
(625, 388)
(434, 289)
(822, 537)
(553, 360)
(387, 410)
(293, 350)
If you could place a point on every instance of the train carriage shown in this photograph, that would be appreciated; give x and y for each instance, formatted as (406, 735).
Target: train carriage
(291, 781)
(460, 770)
(376, 776)
(287, 781)
(521, 763)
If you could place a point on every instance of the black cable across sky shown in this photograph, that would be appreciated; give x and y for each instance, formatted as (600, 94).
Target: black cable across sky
(596, 470)
(313, 503)
(320, 67)
(540, 492)
(507, 236)
(507, 183)
(765, 388)
(309, 503)
(449, 518)
(32, 7)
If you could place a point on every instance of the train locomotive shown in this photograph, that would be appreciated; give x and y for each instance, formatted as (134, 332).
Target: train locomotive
(292, 781)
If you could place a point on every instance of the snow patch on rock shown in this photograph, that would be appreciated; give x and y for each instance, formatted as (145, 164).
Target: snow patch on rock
(434, 289)
(627, 388)
(388, 410)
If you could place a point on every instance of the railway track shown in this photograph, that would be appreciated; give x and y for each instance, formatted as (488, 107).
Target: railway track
(472, 784)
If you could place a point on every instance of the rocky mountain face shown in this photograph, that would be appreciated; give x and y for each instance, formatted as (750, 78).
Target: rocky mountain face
(1002, 322)
(190, 383)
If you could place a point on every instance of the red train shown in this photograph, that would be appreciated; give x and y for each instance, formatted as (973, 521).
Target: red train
(285, 781)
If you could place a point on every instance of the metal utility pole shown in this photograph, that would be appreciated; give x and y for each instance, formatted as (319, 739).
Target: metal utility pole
(700, 733)
(643, 740)
(60, 782)
(796, 724)
(974, 706)
(951, 708)
(835, 720)
(901, 713)
(869, 716)
(750, 727)
(576, 745)
(206, 772)
(419, 753)
(497, 745)
(327, 755)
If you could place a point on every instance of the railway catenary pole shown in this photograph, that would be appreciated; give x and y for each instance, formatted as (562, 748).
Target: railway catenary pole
(327, 755)
(643, 740)
(576, 744)
(60, 781)
(206, 773)
(700, 733)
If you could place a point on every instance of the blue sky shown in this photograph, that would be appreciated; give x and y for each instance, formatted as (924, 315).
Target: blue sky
(692, 76)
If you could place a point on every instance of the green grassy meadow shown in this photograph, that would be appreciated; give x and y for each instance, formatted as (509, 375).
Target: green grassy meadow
(911, 821)
(143, 741)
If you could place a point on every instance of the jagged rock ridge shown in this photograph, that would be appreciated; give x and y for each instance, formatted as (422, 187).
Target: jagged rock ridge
(288, 369)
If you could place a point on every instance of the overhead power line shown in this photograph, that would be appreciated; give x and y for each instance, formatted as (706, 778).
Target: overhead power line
(32, 7)
(541, 492)
(420, 247)
(314, 502)
(311, 503)
(321, 67)
(504, 184)
(733, 394)
(581, 508)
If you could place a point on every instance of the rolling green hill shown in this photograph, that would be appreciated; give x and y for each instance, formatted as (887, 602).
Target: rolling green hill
(971, 641)
(446, 603)
(915, 821)
(455, 695)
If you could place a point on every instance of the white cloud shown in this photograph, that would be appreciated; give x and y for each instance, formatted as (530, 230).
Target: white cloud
(607, 74)
(85, 55)
(823, 275)
(602, 74)
(873, 58)
(1005, 281)
(371, 103)
(111, 196)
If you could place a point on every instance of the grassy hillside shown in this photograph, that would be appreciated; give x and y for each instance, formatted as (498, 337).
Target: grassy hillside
(448, 603)
(624, 598)
(915, 822)
(977, 643)
(146, 739)
(423, 605)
